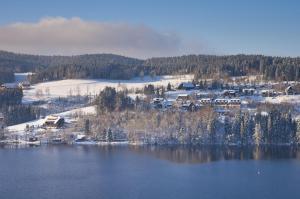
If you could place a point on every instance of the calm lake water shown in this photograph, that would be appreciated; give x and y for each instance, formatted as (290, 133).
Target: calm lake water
(148, 172)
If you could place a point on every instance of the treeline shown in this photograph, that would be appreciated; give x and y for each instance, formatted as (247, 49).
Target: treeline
(111, 100)
(196, 128)
(203, 66)
(94, 71)
(6, 76)
(272, 127)
(17, 114)
(10, 96)
(206, 66)
(13, 110)
(118, 113)
(118, 67)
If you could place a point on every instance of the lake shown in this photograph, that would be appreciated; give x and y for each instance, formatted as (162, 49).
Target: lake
(89, 172)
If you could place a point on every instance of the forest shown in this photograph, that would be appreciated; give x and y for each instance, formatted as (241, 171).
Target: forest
(137, 121)
(12, 108)
(111, 66)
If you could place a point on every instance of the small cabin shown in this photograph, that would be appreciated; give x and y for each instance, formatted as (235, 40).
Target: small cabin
(201, 95)
(53, 121)
(248, 91)
(10, 86)
(235, 101)
(268, 93)
(157, 103)
(188, 106)
(169, 104)
(205, 101)
(157, 100)
(183, 97)
(229, 93)
(186, 86)
(80, 138)
(221, 101)
(292, 90)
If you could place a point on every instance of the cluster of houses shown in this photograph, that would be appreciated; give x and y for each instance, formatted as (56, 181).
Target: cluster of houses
(193, 98)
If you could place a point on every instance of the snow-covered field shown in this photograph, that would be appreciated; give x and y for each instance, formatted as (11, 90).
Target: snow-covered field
(64, 88)
(67, 115)
(293, 99)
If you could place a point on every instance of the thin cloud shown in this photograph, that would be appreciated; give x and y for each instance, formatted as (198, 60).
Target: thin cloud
(76, 36)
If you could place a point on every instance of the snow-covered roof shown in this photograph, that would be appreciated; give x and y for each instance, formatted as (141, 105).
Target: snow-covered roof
(80, 136)
(52, 119)
(158, 99)
(183, 95)
(10, 85)
(205, 99)
(229, 91)
(188, 85)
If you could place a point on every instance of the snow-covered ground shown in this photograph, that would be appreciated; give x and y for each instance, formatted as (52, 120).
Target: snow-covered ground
(64, 88)
(293, 99)
(19, 128)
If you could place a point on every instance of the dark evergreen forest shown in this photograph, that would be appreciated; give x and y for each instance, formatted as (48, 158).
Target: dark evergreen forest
(111, 66)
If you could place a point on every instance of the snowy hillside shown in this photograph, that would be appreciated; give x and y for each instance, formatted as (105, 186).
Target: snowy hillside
(64, 88)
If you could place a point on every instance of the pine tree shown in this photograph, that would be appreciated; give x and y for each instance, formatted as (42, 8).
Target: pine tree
(109, 136)
(87, 127)
(169, 87)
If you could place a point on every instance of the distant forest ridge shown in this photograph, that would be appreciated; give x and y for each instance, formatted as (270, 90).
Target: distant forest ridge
(110, 66)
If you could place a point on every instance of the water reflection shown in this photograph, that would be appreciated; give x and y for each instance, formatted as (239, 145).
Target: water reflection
(180, 154)
(194, 155)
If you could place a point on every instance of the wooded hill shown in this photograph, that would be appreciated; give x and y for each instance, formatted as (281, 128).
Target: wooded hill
(111, 66)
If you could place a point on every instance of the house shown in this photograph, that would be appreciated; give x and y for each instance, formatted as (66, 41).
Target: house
(157, 100)
(201, 95)
(292, 90)
(268, 93)
(169, 104)
(10, 86)
(183, 97)
(205, 101)
(188, 106)
(80, 138)
(186, 86)
(221, 101)
(229, 93)
(248, 91)
(53, 121)
(234, 101)
(157, 103)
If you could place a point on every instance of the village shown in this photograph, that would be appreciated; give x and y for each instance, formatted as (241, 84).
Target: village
(56, 127)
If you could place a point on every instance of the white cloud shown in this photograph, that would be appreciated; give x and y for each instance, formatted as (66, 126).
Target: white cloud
(76, 36)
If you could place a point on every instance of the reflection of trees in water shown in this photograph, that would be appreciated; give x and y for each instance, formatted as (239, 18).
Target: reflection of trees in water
(181, 154)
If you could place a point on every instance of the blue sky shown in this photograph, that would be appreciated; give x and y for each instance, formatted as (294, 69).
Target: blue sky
(268, 27)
